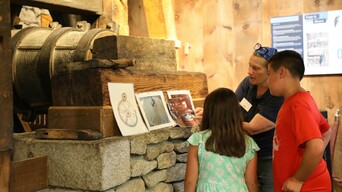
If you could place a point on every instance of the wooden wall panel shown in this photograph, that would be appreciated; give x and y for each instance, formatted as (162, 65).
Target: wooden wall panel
(271, 8)
(207, 27)
(247, 32)
(217, 57)
(321, 5)
(189, 27)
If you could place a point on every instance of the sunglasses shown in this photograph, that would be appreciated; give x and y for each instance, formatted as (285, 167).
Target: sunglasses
(260, 49)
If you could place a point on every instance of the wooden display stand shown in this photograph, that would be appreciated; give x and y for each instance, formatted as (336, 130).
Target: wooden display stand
(96, 118)
(81, 97)
(90, 87)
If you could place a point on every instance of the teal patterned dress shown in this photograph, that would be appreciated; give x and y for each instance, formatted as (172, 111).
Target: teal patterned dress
(219, 172)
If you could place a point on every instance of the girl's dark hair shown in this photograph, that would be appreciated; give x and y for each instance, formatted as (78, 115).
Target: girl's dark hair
(289, 59)
(222, 115)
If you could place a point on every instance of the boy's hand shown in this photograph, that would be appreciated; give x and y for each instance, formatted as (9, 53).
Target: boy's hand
(292, 184)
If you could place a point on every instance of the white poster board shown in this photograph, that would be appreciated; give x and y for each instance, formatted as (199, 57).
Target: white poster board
(125, 109)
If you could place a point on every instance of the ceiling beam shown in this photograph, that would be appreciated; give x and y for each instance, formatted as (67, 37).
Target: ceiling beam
(87, 7)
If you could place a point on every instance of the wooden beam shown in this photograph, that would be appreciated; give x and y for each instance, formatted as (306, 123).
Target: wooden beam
(96, 118)
(66, 6)
(5, 170)
(155, 19)
(137, 19)
(90, 87)
(6, 100)
(68, 134)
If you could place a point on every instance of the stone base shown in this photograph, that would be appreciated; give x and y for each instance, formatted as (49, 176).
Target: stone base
(154, 161)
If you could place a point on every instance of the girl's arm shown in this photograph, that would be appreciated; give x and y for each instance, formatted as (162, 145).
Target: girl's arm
(191, 174)
(251, 175)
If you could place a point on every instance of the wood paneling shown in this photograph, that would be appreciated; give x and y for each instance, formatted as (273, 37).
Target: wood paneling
(207, 26)
(189, 27)
(248, 31)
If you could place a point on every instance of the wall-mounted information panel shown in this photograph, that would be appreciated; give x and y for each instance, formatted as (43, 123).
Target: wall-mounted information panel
(316, 36)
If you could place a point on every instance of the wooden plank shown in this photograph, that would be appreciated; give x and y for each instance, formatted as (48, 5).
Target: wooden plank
(67, 134)
(151, 54)
(155, 19)
(6, 101)
(29, 174)
(96, 118)
(90, 87)
(66, 6)
(169, 19)
(25, 124)
(5, 170)
(137, 19)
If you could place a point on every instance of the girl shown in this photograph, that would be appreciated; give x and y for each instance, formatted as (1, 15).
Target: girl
(221, 156)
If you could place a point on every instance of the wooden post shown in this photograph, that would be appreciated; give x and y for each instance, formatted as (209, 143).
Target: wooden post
(6, 100)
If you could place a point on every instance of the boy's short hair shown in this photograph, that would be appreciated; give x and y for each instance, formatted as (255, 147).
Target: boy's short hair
(289, 59)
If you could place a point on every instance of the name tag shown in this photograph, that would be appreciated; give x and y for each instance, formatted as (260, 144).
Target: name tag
(245, 104)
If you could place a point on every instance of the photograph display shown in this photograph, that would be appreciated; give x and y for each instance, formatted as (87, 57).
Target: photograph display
(153, 109)
(181, 107)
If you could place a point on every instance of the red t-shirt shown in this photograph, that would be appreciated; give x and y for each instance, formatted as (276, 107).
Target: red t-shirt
(298, 121)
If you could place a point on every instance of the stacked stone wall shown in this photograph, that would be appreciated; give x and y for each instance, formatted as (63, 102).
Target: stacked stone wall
(151, 162)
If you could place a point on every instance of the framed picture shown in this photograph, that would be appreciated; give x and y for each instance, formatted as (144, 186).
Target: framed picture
(154, 110)
(181, 107)
(125, 109)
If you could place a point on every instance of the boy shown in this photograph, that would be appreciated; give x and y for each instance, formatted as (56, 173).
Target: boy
(301, 133)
